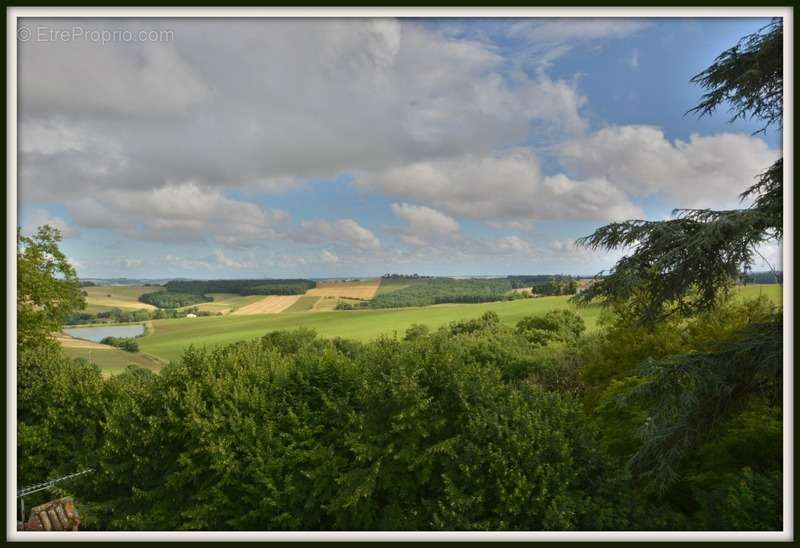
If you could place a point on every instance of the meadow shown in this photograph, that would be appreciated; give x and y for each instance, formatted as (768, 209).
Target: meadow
(105, 297)
(167, 339)
(170, 337)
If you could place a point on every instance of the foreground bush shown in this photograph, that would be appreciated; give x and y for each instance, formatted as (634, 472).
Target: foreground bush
(292, 432)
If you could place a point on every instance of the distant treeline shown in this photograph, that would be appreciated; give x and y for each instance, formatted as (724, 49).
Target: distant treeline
(242, 287)
(762, 278)
(443, 290)
(117, 315)
(546, 284)
(169, 299)
(127, 344)
(405, 277)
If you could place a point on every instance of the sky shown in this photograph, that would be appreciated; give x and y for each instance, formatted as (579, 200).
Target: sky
(232, 148)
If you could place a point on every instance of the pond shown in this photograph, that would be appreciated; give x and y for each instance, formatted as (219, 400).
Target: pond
(97, 334)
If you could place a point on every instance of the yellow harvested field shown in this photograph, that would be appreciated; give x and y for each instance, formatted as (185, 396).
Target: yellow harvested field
(354, 290)
(71, 342)
(122, 296)
(273, 304)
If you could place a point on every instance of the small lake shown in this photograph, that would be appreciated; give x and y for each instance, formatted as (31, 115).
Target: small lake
(97, 334)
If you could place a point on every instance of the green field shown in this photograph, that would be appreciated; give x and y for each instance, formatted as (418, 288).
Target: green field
(225, 302)
(113, 360)
(303, 304)
(389, 285)
(168, 338)
(102, 298)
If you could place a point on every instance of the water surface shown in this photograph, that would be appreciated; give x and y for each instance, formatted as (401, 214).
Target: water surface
(97, 334)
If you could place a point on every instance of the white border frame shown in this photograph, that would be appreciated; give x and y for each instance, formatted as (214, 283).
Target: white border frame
(13, 14)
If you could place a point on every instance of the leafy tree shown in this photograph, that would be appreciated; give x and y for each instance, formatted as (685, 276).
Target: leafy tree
(556, 325)
(48, 289)
(686, 265)
(60, 409)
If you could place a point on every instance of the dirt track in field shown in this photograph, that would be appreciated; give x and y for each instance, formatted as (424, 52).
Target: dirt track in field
(71, 342)
(274, 304)
(352, 290)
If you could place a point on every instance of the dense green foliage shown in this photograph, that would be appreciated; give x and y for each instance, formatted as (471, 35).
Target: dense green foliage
(60, 409)
(242, 287)
(169, 299)
(558, 325)
(471, 426)
(442, 290)
(459, 429)
(684, 267)
(762, 278)
(546, 285)
(48, 289)
(117, 315)
(127, 344)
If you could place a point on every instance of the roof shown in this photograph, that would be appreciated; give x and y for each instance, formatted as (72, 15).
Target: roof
(56, 515)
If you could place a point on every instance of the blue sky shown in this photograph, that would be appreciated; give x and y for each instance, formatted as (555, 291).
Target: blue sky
(355, 147)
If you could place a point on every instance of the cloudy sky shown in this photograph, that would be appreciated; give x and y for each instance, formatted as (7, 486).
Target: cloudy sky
(324, 148)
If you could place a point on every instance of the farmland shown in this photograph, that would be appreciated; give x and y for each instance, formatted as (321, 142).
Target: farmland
(106, 297)
(348, 289)
(111, 360)
(168, 338)
(273, 304)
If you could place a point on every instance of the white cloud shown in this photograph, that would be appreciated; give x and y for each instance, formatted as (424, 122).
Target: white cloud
(634, 60)
(503, 187)
(549, 39)
(40, 217)
(186, 263)
(706, 171)
(514, 244)
(425, 224)
(319, 98)
(345, 231)
(769, 256)
(224, 260)
(128, 262)
(182, 212)
(328, 257)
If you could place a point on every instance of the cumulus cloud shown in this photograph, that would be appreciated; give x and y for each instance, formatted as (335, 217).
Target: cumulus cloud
(328, 257)
(266, 104)
(224, 260)
(128, 262)
(344, 231)
(41, 217)
(705, 171)
(502, 187)
(424, 224)
(178, 212)
(514, 244)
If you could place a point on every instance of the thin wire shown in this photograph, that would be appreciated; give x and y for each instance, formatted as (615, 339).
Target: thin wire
(46, 485)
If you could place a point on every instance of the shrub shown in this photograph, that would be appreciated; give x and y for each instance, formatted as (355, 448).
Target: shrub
(558, 325)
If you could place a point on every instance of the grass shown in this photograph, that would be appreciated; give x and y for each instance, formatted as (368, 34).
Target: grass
(168, 338)
(772, 291)
(171, 337)
(225, 302)
(113, 360)
(389, 285)
(303, 304)
(328, 304)
(105, 297)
